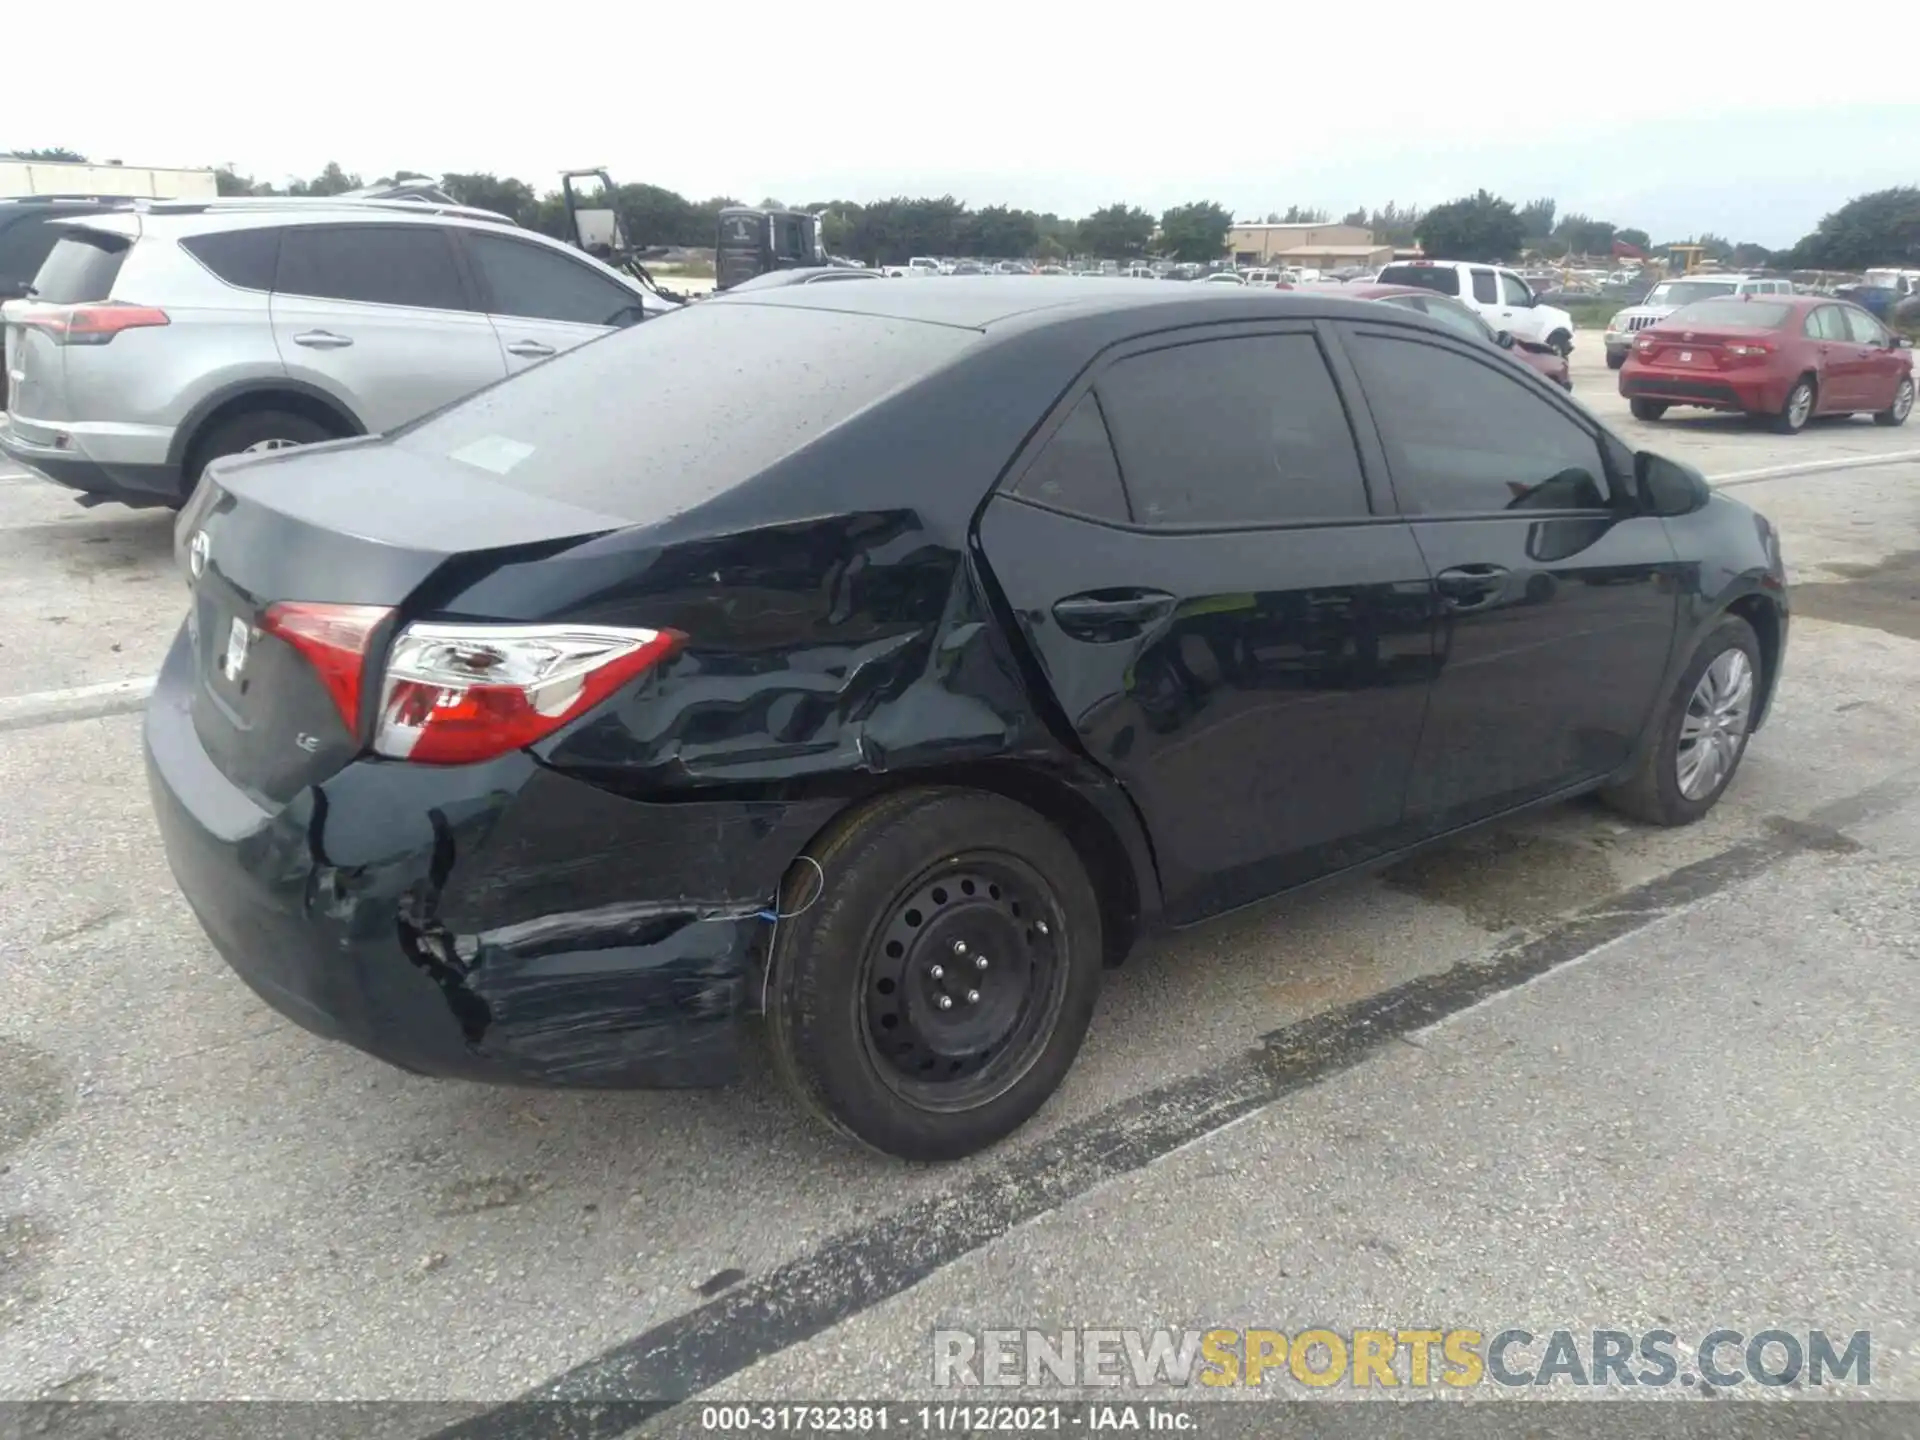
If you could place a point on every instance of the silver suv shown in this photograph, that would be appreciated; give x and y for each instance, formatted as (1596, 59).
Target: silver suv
(160, 338)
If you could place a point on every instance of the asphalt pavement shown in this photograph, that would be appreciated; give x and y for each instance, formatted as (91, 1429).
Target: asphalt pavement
(1571, 1073)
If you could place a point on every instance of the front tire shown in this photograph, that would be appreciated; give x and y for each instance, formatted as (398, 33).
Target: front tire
(1561, 343)
(1615, 359)
(1801, 400)
(1902, 406)
(1648, 410)
(1700, 735)
(936, 993)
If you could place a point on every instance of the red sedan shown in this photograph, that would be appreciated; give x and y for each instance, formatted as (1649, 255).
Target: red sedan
(1782, 358)
(1449, 311)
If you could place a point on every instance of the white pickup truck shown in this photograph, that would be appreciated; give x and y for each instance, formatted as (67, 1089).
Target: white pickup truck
(1501, 297)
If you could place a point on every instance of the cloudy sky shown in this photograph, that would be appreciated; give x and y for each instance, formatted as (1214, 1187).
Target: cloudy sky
(1061, 109)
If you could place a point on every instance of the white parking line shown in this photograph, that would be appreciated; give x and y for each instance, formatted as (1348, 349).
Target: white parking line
(1814, 467)
(80, 702)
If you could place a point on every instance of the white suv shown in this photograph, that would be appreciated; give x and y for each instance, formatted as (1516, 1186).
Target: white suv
(1669, 295)
(1500, 296)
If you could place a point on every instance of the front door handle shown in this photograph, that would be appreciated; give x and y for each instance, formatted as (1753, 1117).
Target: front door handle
(531, 349)
(1103, 616)
(322, 340)
(1465, 586)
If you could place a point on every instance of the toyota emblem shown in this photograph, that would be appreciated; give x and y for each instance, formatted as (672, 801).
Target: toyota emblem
(197, 549)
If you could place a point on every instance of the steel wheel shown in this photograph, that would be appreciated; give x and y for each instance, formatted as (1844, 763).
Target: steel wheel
(1714, 726)
(963, 982)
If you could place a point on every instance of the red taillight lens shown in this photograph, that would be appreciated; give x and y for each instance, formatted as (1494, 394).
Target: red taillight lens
(1747, 350)
(456, 694)
(91, 324)
(334, 640)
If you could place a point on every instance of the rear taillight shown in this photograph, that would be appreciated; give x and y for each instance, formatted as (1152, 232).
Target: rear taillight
(89, 324)
(1748, 350)
(334, 639)
(456, 694)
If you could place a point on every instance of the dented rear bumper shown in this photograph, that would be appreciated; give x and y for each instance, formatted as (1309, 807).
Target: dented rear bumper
(497, 922)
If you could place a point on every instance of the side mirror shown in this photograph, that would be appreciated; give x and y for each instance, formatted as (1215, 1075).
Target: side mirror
(15, 289)
(1504, 339)
(1903, 342)
(1667, 487)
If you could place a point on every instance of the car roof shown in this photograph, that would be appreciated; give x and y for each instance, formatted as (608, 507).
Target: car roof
(1032, 302)
(195, 221)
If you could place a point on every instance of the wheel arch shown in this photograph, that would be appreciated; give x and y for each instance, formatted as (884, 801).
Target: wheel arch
(294, 396)
(1764, 614)
(1097, 820)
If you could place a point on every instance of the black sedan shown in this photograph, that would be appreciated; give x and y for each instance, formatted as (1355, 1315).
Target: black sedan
(886, 659)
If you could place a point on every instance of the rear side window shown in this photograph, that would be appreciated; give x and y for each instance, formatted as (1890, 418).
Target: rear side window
(530, 281)
(1484, 289)
(659, 417)
(24, 247)
(81, 268)
(1233, 432)
(409, 265)
(1827, 323)
(1465, 437)
(245, 258)
(1076, 471)
(1441, 279)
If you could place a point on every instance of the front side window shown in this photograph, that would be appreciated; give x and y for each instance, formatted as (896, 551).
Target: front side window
(1863, 327)
(531, 281)
(410, 265)
(1244, 431)
(1466, 437)
(1514, 291)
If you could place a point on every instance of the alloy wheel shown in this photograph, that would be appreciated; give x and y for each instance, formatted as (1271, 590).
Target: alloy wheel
(1715, 725)
(260, 447)
(1903, 401)
(1800, 405)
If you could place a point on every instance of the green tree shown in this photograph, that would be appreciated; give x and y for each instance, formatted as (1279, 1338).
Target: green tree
(330, 181)
(1116, 232)
(1536, 218)
(1749, 256)
(1639, 239)
(1354, 217)
(228, 181)
(1395, 226)
(1880, 228)
(510, 197)
(1195, 232)
(1584, 235)
(56, 154)
(1480, 226)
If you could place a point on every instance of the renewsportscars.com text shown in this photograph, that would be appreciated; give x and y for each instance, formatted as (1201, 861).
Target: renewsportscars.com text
(1414, 1358)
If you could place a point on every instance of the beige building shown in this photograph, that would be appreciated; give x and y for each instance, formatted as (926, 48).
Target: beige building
(1315, 247)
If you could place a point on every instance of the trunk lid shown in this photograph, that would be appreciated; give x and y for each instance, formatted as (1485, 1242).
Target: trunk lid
(1717, 349)
(355, 523)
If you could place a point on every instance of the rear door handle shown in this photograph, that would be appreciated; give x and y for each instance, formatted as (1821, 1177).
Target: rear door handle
(1103, 616)
(532, 349)
(322, 340)
(1465, 586)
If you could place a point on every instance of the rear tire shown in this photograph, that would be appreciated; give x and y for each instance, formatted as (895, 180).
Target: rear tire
(935, 895)
(1648, 409)
(1801, 401)
(255, 430)
(1561, 343)
(1902, 406)
(1655, 792)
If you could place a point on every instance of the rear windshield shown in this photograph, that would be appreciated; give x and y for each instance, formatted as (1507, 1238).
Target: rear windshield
(658, 418)
(1741, 314)
(1686, 292)
(81, 269)
(1437, 278)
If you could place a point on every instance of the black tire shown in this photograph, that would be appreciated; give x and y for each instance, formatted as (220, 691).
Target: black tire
(250, 428)
(1561, 343)
(1793, 417)
(1652, 793)
(1647, 409)
(1615, 359)
(1902, 406)
(834, 1002)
